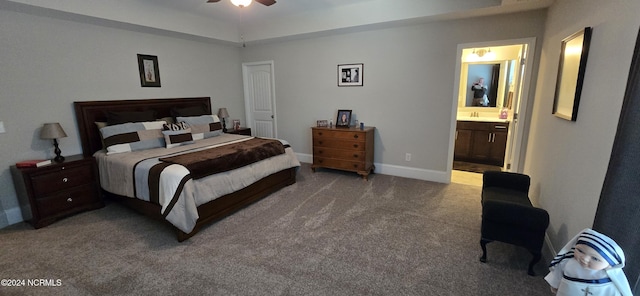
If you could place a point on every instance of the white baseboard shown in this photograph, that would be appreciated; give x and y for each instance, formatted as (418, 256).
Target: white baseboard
(14, 215)
(398, 171)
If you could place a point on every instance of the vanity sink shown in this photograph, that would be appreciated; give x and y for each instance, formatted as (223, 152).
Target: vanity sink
(481, 119)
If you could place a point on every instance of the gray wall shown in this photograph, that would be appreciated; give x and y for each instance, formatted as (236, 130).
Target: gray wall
(568, 160)
(47, 63)
(408, 85)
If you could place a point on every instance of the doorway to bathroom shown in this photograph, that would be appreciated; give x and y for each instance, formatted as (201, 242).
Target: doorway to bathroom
(493, 80)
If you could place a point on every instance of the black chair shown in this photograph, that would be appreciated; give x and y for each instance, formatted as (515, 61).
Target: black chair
(508, 215)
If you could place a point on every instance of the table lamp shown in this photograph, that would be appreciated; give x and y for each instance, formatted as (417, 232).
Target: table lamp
(222, 113)
(54, 131)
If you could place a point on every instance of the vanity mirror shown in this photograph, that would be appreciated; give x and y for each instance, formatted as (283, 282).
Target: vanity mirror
(498, 79)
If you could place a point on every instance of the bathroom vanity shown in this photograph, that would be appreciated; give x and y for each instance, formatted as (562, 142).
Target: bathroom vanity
(481, 141)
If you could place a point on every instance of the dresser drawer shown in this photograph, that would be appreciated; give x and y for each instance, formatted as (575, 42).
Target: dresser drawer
(340, 135)
(337, 144)
(339, 164)
(351, 155)
(66, 178)
(66, 201)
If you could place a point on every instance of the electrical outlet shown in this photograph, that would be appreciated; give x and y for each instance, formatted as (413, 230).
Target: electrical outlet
(407, 157)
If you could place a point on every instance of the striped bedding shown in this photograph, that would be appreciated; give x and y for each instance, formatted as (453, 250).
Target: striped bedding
(179, 195)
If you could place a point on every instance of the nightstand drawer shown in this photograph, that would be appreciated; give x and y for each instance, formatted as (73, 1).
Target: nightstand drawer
(66, 178)
(67, 201)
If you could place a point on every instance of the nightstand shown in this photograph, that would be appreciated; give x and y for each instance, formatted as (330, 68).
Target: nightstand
(57, 190)
(241, 131)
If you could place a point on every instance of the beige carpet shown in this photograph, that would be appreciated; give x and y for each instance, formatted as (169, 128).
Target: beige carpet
(331, 233)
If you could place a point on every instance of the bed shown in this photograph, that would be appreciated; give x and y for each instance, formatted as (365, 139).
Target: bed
(90, 114)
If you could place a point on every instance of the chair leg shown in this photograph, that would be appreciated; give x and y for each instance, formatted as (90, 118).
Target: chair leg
(483, 244)
(536, 258)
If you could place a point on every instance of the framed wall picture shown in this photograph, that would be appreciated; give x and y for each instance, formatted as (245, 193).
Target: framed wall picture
(344, 118)
(149, 71)
(573, 64)
(350, 74)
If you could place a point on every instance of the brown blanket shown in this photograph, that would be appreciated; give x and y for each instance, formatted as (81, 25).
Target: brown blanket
(228, 157)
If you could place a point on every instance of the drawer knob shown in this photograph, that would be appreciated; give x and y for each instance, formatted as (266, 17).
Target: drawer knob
(355, 145)
(355, 136)
(69, 199)
(320, 134)
(320, 151)
(355, 155)
(355, 165)
(65, 180)
(320, 142)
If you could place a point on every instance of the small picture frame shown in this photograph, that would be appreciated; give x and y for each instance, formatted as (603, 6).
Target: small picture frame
(322, 123)
(344, 118)
(236, 124)
(350, 74)
(149, 71)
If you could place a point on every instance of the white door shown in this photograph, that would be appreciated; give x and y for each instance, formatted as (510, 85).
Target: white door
(260, 98)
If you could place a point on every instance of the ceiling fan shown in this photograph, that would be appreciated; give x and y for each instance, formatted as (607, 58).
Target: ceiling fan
(245, 3)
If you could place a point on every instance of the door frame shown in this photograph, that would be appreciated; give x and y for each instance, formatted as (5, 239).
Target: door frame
(245, 89)
(517, 135)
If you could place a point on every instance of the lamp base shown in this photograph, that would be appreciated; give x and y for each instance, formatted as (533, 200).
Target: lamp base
(224, 126)
(58, 158)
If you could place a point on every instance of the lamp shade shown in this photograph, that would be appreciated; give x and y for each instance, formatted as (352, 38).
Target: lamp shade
(222, 113)
(52, 131)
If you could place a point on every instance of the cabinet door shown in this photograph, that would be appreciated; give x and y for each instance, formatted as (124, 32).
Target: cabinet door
(481, 149)
(463, 144)
(498, 148)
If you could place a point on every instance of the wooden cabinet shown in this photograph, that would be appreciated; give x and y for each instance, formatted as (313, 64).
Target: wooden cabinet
(241, 131)
(53, 191)
(348, 149)
(481, 142)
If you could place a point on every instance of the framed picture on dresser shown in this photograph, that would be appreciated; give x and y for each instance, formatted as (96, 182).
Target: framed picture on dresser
(344, 118)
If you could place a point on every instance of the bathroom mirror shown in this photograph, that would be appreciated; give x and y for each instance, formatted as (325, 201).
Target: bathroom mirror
(498, 80)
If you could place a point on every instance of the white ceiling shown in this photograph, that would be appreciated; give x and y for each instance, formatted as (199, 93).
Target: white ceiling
(225, 22)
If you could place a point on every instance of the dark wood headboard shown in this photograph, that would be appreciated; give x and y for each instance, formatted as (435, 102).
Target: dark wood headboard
(90, 112)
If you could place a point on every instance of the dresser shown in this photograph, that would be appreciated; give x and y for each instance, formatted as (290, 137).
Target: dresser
(57, 190)
(348, 149)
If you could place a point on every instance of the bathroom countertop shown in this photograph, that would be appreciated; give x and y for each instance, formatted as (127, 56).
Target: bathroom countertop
(481, 119)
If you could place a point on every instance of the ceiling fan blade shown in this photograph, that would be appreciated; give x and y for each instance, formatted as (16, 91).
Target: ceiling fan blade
(266, 2)
(212, 1)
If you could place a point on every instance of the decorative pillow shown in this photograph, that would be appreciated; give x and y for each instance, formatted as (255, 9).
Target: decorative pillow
(204, 126)
(132, 136)
(130, 116)
(177, 134)
(189, 111)
(168, 119)
(99, 125)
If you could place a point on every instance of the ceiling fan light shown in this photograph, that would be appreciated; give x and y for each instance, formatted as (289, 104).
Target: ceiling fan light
(241, 3)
